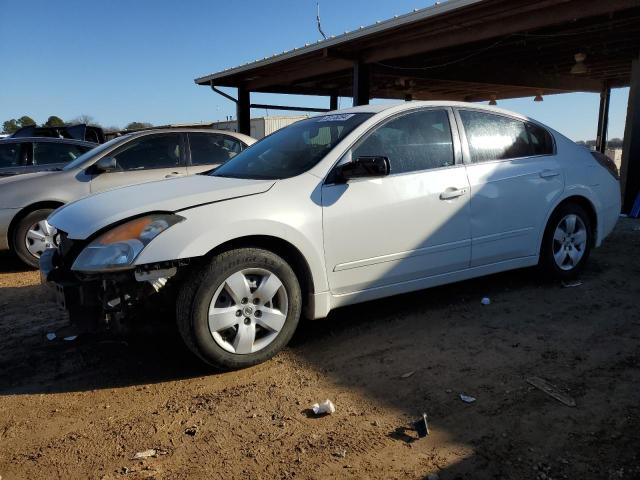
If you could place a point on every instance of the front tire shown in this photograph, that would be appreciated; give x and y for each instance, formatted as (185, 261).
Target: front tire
(240, 309)
(567, 242)
(32, 236)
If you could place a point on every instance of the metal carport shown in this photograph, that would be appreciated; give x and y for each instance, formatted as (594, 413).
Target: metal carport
(470, 50)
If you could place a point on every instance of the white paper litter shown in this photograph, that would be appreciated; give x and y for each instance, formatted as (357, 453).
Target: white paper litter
(571, 284)
(51, 336)
(146, 454)
(70, 338)
(467, 398)
(325, 407)
(485, 301)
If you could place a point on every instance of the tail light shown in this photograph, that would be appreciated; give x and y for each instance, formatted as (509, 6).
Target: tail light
(607, 163)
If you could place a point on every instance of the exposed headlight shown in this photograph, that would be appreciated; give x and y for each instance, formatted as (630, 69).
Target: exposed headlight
(119, 247)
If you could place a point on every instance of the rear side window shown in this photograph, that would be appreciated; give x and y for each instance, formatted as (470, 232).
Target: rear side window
(416, 141)
(147, 152)
(541, 140)
(212, 149)
(494, 137)
(45, 153)
(10, 155)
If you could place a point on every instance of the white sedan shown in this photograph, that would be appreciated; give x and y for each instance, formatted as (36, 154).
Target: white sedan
(337, 209)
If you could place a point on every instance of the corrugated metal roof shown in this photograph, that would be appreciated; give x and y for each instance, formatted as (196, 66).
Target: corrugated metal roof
(398, 21)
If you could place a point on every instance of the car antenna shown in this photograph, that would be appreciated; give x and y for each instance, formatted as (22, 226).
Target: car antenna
(318, 20)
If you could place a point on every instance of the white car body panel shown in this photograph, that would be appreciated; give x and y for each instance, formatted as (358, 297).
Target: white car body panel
(509, 203)
(373, 226)
(373, 237)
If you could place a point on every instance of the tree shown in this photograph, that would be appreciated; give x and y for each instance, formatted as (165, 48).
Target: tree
(138, 125)
(25, 120)
(84, 118)
(54, 121)
(10, 126)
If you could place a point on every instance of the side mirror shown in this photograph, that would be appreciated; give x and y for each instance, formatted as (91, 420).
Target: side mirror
(365, 167)
(105, 164)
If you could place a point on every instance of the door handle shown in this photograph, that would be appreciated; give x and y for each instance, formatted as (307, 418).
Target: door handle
(549, 173)
(452, 192)
(173, 174)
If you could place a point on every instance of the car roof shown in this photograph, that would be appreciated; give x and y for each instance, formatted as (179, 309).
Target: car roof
(48, 140)
(400, 106)
(245, 138)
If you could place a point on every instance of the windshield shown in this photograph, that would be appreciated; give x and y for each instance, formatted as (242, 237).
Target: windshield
(292, 150)
(94, 151)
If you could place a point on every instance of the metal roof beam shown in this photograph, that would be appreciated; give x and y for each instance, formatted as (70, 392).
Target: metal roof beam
(562, 13)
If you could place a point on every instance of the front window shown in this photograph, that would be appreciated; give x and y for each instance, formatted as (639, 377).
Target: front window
(147, 152)
(292, 150)
(412, 142)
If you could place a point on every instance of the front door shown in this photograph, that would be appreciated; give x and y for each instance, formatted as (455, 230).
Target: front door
(515, 179)
(411, 224)
(144, 159)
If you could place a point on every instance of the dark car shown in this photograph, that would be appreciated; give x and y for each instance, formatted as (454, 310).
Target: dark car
(80, 131)
(27, 155)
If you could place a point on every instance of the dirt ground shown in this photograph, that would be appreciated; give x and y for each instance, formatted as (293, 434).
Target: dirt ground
(82, 409)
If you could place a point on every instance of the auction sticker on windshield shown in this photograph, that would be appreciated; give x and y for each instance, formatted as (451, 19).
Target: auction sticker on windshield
(336, 118)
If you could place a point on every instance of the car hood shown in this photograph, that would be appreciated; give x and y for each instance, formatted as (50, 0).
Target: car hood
(82, 218)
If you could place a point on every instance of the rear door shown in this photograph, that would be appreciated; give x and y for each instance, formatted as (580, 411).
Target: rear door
(409, 225)
(514, 178)
(143, 159)
(210, 150)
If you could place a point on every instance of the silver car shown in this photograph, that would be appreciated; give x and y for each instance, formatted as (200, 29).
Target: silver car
(27, 200)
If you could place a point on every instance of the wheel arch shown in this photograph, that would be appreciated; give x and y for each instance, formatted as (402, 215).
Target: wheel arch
(289, 252)
(583, 202)
(26, 211)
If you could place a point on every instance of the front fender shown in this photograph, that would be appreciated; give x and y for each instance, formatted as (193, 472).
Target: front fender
(209, 226)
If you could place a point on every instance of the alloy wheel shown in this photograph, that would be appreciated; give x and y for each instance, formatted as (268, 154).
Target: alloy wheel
(248, 311)
(569, 242)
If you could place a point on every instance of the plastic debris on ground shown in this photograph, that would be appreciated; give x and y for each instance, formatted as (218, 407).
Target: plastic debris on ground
(421, 426)
(70, 338)
(551, 390)
(485, 301)
(408, 374)
(51, 336)
(327, 407)
(467, 398)
(577, 283)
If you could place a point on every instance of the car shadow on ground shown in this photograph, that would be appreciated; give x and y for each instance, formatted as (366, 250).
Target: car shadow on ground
(155, 353)
(9, 263)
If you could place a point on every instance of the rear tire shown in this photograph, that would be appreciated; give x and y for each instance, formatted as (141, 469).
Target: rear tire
(567, 242)
(240, 309)
(26, 241)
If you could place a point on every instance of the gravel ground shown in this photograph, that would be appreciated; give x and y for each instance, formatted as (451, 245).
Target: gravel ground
(83, 409)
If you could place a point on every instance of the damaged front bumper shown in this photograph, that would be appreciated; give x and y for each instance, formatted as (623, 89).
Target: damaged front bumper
(110, 300)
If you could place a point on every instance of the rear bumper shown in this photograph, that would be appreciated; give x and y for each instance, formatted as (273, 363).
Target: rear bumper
(6, 216)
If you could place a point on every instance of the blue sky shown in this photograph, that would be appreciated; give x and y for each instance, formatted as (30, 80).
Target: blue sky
(121, 61)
